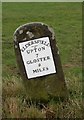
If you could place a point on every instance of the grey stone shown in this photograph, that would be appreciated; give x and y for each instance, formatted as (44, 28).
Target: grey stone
(45, 87)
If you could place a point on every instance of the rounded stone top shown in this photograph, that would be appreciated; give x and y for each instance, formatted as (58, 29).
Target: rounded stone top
(33, 30)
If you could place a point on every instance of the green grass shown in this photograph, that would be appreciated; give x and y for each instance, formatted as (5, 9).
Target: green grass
(66, 20)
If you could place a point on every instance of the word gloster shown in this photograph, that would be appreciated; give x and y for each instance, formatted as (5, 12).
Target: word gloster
(38, 60)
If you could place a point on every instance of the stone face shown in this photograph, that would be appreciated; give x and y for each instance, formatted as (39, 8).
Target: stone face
(39, 62)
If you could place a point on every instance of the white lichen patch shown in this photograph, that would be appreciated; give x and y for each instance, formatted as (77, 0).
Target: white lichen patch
(15, 38)
(56, 45)
(30, 34)
(16, 47)
(42, 23)
(25, 38)
(20, 31)
(58, 52)
(53, 34)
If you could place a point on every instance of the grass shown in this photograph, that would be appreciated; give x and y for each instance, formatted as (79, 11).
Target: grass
(66, 20)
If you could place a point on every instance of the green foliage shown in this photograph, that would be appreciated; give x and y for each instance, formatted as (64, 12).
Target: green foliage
(66, 20)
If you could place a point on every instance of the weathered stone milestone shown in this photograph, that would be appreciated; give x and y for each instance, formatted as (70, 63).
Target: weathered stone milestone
(39, 61)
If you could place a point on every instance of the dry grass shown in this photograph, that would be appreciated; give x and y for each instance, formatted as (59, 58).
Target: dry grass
(15, 105)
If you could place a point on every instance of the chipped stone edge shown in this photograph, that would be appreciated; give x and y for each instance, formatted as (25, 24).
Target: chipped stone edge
(52, 31)
(49, 28)
(28, 24)
(25, 25)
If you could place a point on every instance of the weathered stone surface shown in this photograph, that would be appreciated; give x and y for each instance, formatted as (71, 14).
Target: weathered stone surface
(44, 87)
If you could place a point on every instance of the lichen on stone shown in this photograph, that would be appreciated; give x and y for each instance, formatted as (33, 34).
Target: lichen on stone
(20, 31)
(30, 34)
